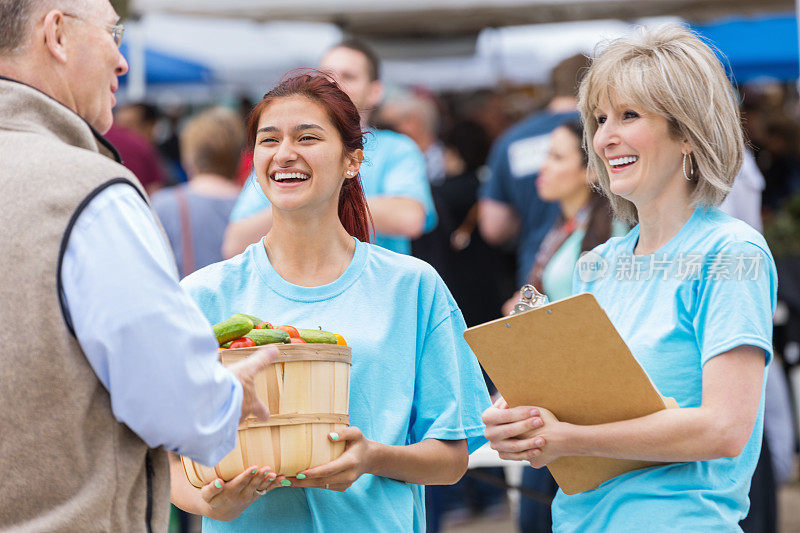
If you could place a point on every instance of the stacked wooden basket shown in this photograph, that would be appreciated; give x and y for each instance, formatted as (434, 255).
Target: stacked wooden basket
(306, 390)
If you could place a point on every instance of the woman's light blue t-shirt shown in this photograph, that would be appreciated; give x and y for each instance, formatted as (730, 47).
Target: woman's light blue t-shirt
(711, 288)
(413, 375)
(393, 166)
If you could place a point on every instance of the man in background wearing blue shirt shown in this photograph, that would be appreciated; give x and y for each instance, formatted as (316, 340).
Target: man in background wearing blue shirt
(510, 209)
(393, 173)
(105, 361)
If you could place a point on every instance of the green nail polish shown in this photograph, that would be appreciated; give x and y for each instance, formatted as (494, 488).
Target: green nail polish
(334, 436)
(254, 471)
(286, 483)
(273, 477)
(301, 476)
(266, 472)
(218, 484)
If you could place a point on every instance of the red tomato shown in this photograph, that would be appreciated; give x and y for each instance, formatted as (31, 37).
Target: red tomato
(263, 325)
(291, 330)
(296, 340)
(243, 342)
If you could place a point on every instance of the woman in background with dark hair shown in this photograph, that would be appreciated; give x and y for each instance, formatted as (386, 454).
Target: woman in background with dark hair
(416, 390)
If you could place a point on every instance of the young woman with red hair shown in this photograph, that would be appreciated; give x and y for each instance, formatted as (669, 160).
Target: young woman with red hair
(416, 390)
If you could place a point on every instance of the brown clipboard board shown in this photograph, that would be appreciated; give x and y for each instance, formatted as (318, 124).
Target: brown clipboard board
(568, 358)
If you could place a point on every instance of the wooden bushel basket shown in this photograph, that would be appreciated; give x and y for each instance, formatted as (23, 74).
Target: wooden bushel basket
(306, 391)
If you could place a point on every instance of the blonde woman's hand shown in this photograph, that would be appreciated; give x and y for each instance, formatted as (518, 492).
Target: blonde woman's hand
(524, 433)
(227, 499)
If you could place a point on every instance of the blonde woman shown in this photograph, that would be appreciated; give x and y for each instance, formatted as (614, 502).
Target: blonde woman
(195, 214)
(690, 289)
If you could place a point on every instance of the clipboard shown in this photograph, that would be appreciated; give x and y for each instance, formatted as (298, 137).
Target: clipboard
(568, 358)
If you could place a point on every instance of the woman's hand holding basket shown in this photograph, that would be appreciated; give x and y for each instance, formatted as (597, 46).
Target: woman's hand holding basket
(343, 471)
(228, 499)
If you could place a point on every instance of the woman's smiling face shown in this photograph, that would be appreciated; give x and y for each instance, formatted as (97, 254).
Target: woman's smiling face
(299, 157)
(640, 153)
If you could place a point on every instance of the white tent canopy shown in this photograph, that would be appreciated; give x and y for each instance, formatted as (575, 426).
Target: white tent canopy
(441, 44)
(442, 18)
(247, 56)
(244, 55)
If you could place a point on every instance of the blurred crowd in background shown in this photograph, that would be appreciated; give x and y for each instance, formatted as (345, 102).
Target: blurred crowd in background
(491, 236)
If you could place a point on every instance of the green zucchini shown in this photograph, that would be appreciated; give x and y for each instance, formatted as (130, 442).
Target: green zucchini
(268, 336)
(233, 328)
(317, 336)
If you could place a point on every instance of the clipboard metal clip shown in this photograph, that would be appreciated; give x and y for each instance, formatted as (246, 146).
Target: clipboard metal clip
(529, 298)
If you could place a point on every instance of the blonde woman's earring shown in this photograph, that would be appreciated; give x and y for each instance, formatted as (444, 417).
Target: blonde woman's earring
(690, 175)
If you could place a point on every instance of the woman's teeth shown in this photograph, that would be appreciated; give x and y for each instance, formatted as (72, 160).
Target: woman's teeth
(283, 176)
(623, 161)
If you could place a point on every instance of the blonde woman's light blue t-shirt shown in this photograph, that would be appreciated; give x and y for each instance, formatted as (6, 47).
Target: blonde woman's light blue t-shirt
(413, 376)
(711, 288)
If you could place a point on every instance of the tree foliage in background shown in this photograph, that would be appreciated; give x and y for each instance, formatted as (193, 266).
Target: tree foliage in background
(121, 7)
(783, 231)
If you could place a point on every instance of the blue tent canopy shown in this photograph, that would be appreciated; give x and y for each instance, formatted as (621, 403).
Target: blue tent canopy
(165, 68)
(756, 47)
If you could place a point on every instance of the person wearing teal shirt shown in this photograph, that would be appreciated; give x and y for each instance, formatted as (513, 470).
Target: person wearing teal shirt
(416, 389)
(691, 290)
(393, 174)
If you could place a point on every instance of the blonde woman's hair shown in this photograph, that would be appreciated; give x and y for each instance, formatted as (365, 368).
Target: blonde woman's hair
(212, 141)
(669, 71)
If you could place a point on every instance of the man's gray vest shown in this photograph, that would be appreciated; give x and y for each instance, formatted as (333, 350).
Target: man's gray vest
(66, 464)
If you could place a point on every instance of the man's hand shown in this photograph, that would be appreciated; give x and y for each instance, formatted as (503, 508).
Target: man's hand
(245, 371)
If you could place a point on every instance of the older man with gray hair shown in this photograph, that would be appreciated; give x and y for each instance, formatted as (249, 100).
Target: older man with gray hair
(105, 362)
(417, 117)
